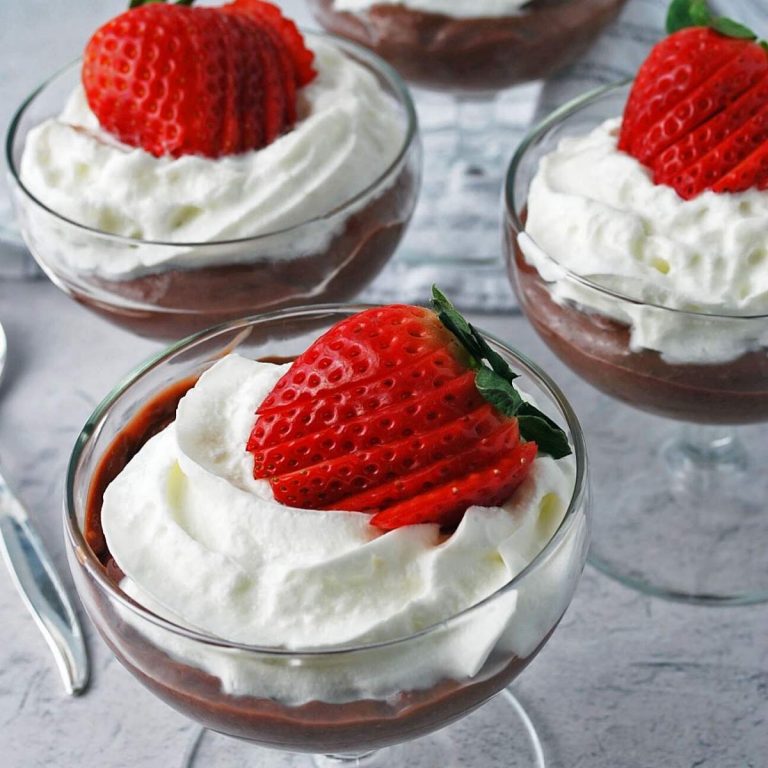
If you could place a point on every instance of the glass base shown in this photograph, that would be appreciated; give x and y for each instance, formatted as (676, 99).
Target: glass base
(498, 734)
(687, 517)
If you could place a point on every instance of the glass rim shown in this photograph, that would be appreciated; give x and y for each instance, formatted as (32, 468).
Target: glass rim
(553, 119)
(88, 560)
(372, 60)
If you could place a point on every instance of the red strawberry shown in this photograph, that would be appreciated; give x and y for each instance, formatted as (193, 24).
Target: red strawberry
(271, 15)
(697, 115)
(484, 487)
(179, 80)
(383, 414)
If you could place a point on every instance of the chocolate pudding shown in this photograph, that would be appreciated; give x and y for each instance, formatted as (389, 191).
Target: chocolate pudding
(315, 726)
(483, 54)
(598, 349)
(173, 303)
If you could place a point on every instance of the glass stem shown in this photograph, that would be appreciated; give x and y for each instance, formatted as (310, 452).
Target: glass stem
(475, 130)
(699, 455)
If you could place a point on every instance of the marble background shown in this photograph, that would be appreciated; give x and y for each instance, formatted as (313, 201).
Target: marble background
(626, 682)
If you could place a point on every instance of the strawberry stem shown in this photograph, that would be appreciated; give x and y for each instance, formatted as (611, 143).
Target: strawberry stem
(494, 381)
(696, 13)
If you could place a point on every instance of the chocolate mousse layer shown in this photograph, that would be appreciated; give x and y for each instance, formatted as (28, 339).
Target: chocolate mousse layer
(483, 54)
(175, 302)
(315, 726)
(597, 348)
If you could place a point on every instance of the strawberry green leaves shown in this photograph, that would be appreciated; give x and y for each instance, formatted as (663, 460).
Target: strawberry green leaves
(475, 344)
(494, 382)
(696, 13)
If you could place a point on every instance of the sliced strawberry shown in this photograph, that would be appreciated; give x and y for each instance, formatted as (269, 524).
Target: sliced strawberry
(711, 171)
(446, 504)
(177, 80)
(274, 95)
(698, 110)
(396, 422)
(287, 72)
(675, 67)
(388, 405)
(751, 173)
(356, 399)
(684, 153)
(270, 14)
(359, 349)
(332, 479)
(286, 69)
(480, 454)
(232, 87)
(714, 95)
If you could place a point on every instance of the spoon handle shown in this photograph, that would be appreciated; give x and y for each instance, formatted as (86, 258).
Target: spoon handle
(42, 591)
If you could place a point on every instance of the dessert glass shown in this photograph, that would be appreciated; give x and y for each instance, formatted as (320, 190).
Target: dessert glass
(473, 60)
(186, 668)
(327, 258)
(685, 519)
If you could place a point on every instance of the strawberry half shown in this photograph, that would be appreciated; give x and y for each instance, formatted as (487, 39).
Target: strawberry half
(178, 80)
(394, 412)
(697, 115)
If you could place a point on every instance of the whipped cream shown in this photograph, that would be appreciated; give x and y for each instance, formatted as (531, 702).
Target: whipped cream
(206, 545)
(595, 211)
(348, 133)
(459, 9)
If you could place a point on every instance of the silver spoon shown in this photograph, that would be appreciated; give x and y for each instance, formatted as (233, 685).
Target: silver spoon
(38, 583)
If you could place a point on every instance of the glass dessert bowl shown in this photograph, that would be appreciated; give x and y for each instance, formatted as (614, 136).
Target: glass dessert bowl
(470, 48)
(345, 701)
(684, 519)
(472, 51)
(238, 235)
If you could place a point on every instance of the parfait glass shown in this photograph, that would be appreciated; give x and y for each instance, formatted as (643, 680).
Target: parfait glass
(685, 519)
(166, 290)
(385, 703)
(476, 61)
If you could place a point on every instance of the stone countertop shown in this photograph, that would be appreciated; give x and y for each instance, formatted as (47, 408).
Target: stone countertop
(626, 681)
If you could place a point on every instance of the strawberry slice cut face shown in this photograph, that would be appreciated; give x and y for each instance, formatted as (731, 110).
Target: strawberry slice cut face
(386, 412)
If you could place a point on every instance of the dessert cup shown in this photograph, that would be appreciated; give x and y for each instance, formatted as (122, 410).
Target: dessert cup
(344, 703)
(326, 258)
(472, 60)
(685, 518)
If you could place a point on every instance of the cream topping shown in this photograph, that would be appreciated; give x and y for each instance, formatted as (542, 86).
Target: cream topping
(189, 525)
(595, 211)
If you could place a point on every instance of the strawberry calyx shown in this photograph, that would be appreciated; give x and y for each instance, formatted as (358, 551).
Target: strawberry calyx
(696, 13)
(493, 380)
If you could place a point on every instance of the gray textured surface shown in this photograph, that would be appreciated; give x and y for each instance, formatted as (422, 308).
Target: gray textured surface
(626, 682)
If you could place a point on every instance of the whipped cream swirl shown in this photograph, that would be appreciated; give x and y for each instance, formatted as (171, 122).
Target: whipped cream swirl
(596, 212)
(348, 133)
(204, 544)
(458, 9)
